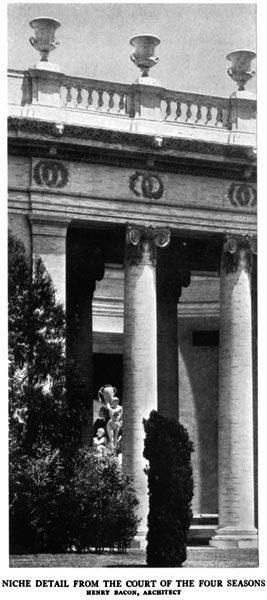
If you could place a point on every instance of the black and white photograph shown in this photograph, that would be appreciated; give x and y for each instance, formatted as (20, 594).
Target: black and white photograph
(132, 407)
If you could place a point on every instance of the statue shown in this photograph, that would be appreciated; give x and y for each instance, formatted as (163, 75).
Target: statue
(110, 401)
(100, 440)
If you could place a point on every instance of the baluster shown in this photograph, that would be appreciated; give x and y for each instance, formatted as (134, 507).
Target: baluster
(100, 99)
(130, 105)
(228, 123)
(121, 102)
(69, 95)
(79, 95)
(199, 113)
(168, 108)
(90, 98)
(188, 112)
(178, 110)
(209, 115)
(219, 117)
(111, 101)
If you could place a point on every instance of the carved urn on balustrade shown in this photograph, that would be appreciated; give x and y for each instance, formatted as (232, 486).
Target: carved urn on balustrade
(144, 54)
(44, 40)
(241, 67)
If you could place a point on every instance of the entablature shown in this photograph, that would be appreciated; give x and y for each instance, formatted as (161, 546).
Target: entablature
(30, 137)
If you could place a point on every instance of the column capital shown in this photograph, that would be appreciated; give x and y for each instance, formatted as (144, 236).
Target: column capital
(238, 252)
(141, 242)
(47, 225)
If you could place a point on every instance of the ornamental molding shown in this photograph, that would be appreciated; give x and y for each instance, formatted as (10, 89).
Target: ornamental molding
(142, 140)
(148, 185)
(243, 195)
(49, 225)
(142, 243)
(238, 253)
(50, 173)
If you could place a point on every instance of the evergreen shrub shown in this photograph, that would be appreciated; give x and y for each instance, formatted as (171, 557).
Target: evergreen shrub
(170, 488)
(45, 419)
(104, 503)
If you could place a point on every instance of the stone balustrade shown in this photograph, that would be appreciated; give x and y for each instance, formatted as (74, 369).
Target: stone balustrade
(183, 107)
(95, 95)
(139, 108)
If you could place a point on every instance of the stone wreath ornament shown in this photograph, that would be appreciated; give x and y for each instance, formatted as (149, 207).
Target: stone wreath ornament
(242, 194)
(50, 173)
(151, 185)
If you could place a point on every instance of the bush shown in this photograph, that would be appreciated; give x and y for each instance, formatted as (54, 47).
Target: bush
(170, 485)
(104, 503)
(39, 510)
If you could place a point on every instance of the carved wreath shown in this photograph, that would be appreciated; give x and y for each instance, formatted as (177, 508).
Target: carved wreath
(151, 185)
(50, 173)
(242, 194)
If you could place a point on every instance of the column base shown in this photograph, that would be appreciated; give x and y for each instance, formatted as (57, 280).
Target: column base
(231, 538)
(140, 542)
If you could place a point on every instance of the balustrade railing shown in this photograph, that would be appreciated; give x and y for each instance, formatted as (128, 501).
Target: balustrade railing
(117, 98)
(96, 95)
(184, 107)
(78, 96)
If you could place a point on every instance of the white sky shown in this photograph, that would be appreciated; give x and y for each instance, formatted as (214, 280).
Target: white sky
(94, 40)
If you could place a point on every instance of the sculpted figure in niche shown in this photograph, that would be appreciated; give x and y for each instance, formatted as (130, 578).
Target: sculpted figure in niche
(100, 440)
(111, 402)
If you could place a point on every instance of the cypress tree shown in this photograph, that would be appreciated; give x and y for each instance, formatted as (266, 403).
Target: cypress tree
(170, 488)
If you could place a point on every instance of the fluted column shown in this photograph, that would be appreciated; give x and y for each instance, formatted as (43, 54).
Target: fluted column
(140, 351)
(172, 274)
(236, 485)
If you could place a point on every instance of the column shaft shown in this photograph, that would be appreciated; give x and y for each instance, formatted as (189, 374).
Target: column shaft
(140, 360)
(236, 483)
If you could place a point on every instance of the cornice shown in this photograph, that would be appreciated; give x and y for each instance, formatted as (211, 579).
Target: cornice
(126, 149)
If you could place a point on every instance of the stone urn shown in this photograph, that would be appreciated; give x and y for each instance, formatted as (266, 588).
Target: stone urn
(44, 40)
(240, 71)
(143, 56)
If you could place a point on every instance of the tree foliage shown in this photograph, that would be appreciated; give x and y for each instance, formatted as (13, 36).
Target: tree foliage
(45, 419)
(37, 363)
(170, 485)
(59, 495)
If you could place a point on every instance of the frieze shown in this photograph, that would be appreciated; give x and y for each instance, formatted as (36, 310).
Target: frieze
(242, 195)
(149, 185)
(50, 173)
(94, 155)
